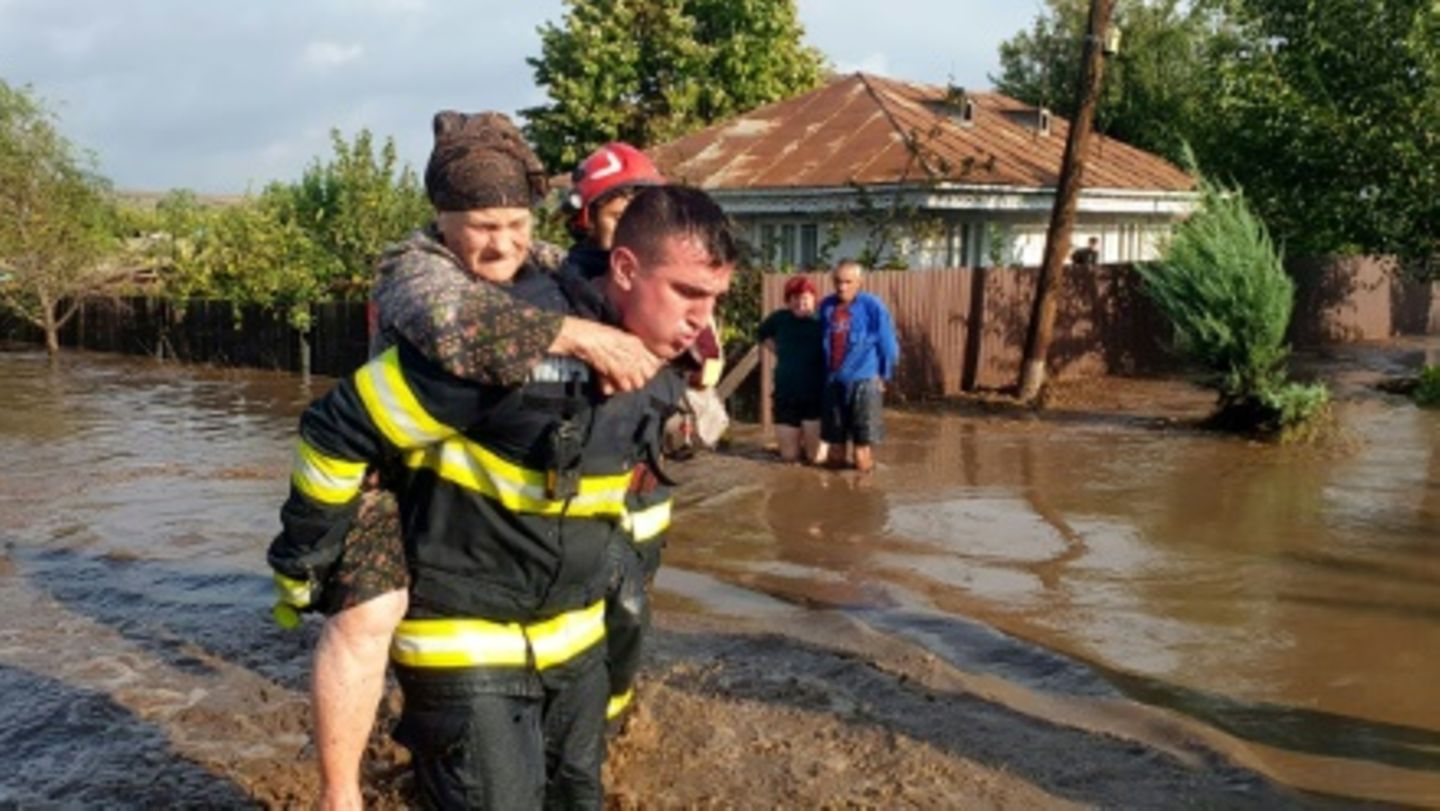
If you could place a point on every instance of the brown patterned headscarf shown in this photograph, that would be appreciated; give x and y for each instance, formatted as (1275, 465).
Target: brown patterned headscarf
(481, 160)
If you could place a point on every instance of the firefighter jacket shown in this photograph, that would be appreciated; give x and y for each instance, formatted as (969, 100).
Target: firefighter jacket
(509, 496)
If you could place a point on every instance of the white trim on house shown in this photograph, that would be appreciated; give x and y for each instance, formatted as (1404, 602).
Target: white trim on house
(951, 197)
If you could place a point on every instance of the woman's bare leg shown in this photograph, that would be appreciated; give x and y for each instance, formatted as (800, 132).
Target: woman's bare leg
(345, 690)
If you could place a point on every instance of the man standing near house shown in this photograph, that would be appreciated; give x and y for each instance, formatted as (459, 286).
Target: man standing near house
(1088, 256)
(861, 351)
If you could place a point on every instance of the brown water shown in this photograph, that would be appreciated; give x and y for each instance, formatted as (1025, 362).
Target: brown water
(1278, 605)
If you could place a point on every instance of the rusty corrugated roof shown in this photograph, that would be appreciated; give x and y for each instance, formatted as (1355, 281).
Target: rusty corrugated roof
(860, 128)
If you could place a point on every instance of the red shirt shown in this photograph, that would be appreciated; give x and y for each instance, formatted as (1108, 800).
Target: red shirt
(839, 335)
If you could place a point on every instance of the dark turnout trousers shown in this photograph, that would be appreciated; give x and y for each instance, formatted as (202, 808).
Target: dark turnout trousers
(488, 743)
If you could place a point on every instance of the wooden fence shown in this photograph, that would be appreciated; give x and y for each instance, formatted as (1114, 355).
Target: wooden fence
(964, 329)
(960, 330)
(217, 333)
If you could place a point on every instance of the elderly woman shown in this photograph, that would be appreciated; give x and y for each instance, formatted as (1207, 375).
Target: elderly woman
(794, 335)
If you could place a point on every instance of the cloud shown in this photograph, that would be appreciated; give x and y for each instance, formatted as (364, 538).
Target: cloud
(181, 93)
(875, 63)
(325, 55)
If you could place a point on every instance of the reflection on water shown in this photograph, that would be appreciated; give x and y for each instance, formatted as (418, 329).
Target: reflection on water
(1284, 600)
(1287, 597)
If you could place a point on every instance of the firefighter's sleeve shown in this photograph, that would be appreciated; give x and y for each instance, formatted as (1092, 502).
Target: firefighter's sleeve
(387, 408)
(471, 328)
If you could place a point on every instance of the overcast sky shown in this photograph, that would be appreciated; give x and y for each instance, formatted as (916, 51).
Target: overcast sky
(224, 96)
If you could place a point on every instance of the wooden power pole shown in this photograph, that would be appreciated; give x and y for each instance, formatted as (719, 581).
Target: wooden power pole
(1067, 193)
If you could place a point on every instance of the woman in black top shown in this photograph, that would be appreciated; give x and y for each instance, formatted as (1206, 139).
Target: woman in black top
(794, 335)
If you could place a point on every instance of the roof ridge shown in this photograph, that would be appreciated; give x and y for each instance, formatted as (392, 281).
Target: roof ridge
(911, 148)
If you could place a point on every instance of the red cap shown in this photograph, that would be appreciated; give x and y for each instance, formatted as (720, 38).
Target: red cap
(798, 285)
(609, 169)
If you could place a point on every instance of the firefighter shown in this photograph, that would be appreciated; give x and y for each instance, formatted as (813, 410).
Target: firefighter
(437, 290)
(602, 186)
(510, 499)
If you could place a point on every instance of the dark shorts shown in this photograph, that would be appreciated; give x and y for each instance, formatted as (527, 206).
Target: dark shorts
(792, 410)
(372, 562)
(852, 412)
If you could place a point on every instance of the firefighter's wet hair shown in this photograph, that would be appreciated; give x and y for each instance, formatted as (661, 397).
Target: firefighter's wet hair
(661, 212)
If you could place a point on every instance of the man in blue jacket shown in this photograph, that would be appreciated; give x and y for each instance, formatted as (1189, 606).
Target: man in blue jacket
(860, 351)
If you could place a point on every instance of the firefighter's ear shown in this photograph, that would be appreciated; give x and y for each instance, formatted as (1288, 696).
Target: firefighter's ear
(624, 265)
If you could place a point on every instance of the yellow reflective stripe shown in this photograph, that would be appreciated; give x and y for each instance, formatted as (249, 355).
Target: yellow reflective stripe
(518, 489)
(441, 643)
(458, 643)
(618, 704)
(294, 592)
(647, 524)
(393, 406)
(558, 640)
(325, 478)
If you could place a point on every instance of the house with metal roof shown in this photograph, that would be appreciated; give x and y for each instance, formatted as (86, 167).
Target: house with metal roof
(919, 176)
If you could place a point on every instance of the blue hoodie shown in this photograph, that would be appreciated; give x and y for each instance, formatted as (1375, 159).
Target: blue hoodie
(872, 349)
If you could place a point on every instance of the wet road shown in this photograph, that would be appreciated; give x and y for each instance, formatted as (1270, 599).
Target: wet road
(1281, 606)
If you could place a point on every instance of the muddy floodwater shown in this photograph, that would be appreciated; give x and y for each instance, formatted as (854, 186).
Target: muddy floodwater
(1252, 619)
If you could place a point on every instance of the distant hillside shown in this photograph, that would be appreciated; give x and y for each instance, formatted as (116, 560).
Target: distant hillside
(148, 199)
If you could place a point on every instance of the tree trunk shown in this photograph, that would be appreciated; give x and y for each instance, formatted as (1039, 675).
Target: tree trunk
(50, 324)
(1062, 216)
(304, 355)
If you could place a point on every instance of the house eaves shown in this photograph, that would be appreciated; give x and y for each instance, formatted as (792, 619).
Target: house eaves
(947, 197)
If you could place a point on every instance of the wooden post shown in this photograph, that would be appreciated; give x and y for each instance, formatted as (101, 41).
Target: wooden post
(1067, 193)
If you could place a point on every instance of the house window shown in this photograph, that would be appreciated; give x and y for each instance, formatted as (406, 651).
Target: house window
(787, 246)
(794, 246)
(809, 245)
(767, 244)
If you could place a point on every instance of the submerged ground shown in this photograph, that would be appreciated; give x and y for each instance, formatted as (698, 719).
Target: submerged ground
(1100, 607)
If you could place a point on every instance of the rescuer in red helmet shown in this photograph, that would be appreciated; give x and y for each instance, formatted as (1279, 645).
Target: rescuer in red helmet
(601, 188)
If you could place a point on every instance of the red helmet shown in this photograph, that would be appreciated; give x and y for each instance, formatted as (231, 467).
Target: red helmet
(611, 168)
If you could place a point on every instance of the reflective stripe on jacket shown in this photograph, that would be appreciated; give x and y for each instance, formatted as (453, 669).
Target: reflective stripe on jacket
(487, 533)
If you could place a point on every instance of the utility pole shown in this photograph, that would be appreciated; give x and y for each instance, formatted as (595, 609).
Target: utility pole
(1067, 193)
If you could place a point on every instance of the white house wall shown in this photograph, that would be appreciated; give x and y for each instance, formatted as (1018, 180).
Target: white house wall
(974, 240)
(983, 225)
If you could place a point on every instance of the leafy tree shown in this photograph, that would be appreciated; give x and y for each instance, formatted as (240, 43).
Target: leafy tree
(1223, 286)
(56, 218)
(354, 205)
(1329, 112)
(645, 71)
(248, 253)
(753, 53)
(1158, 88)
(1325, 111)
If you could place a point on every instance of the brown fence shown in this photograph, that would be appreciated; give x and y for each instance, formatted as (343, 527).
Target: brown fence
(964, 329)
(215, 332)
(1360, 298)
(960, 330)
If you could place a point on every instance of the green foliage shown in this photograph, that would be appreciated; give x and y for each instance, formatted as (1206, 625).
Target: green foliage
(1327, 111)
(646, 71)
(1427, 390)
(1222, 285)
(296, 243)
(354, 205)
(1157, 89)
(57, 223)
(1293, 409)
(739, 311)
(249, 253)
